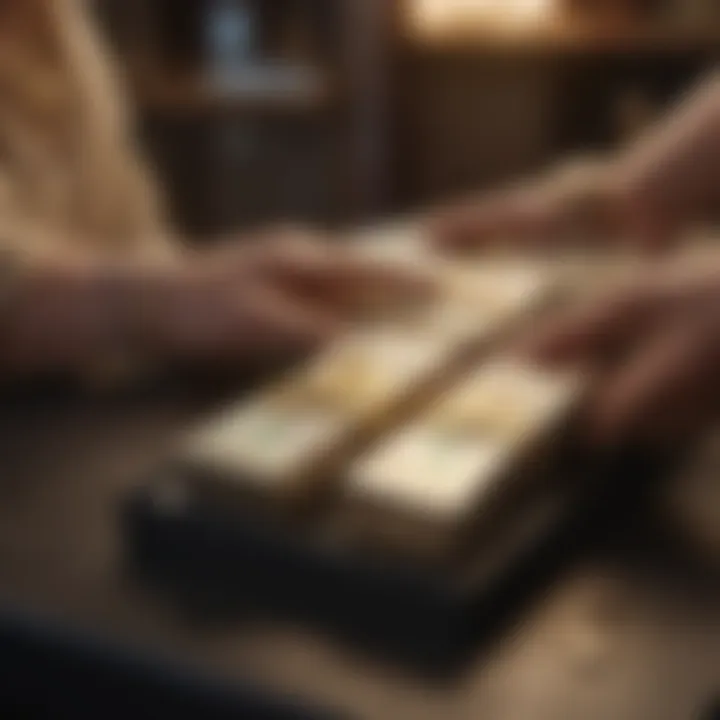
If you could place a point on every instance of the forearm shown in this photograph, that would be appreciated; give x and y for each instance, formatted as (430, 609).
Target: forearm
(78, 316)
(674, 169)
(652, 191)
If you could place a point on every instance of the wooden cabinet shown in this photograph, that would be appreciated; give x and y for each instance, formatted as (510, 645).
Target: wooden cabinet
(339, 113)
(469, 123)
(297, 129)
(479, 108)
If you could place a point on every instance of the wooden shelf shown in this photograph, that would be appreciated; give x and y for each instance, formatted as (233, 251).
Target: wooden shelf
(327, 109)
(565, 40)
(269, 87)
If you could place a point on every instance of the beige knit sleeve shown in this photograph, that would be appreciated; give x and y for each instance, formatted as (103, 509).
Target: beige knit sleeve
(28, 249)
(24, 238)
(122, 207)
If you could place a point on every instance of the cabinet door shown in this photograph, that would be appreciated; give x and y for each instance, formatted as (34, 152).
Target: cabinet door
(222, 174)
(471, 122)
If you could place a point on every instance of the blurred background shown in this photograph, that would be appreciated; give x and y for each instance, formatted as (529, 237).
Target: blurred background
(342, 110)
(337, 112)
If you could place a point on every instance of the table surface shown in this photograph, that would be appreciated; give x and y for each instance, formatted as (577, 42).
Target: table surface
(621, 634)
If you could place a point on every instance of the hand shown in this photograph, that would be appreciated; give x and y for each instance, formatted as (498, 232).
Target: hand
(317, 272)
(204, 316)
(657, 346)
(281, 294)
(244, 306)
(646, 197)
(76, 318)
(574, 200)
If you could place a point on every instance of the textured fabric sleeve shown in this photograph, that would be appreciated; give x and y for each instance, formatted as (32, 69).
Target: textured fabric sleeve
(126, 211)
(28, 248)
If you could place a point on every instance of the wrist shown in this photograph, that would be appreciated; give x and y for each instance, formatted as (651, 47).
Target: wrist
(135, 299)
(55, 320)
(119, 309)
(81, 317)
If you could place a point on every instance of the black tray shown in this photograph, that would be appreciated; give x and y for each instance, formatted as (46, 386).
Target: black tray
(214, 561)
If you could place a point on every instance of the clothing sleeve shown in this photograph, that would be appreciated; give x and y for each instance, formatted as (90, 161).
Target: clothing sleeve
(28, 249)
(123, 209)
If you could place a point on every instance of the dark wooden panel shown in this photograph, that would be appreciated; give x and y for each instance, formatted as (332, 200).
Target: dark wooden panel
(471, 122)
(224, 173)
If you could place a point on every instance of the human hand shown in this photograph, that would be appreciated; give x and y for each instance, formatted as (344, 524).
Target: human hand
(573, 200)
(203, 315)
(240, 307)
(78, 317)
(318, 272)
(646, 197)
(656, 345)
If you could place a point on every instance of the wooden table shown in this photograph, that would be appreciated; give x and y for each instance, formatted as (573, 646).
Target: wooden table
(621, 635)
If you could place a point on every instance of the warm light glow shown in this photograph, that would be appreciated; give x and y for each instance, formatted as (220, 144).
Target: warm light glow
(437, 15)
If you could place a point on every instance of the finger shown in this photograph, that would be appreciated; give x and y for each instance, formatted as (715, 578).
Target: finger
(665, 375)
(232, 257)
(554, 209)
(595, 331)
(256, 324)
(275, 243)
(519, 218)
(268, 323)
(601, 328)
(346, 282)
(473, 224)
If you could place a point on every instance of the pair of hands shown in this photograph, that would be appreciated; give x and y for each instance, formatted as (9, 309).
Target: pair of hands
(253, 303)
(249, 305)
(657, 338)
